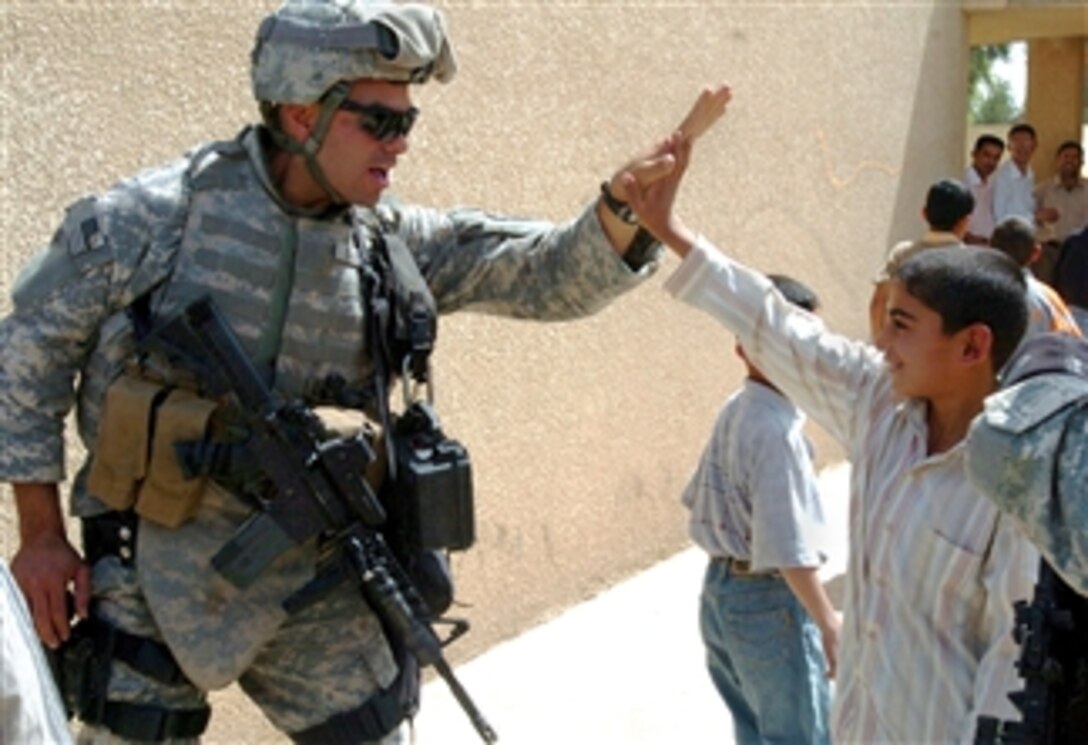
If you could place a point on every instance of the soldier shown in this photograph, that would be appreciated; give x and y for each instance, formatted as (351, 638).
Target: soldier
(1028, 453)
(268, 224)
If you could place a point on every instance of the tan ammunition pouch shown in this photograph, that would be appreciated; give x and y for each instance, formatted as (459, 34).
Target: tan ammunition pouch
(135, 462)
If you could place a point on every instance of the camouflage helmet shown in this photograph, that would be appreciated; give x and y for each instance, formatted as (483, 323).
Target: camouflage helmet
(307, 46)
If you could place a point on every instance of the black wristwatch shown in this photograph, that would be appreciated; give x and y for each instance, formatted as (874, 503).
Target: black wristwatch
(643, 249)
(622, 210)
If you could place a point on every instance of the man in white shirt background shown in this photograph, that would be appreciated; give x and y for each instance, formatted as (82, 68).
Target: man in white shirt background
(984, 159)
(1014, 180)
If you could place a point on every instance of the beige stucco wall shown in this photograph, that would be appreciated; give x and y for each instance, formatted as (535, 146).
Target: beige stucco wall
(582, 433)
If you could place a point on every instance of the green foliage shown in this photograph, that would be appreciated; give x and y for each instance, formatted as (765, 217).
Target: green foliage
(990, 99)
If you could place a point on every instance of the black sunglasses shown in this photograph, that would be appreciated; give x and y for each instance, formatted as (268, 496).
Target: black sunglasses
(381, 122)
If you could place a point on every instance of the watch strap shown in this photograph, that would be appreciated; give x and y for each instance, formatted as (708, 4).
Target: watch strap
(620, 209)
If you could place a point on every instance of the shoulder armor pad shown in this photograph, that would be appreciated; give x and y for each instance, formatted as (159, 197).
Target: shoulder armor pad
(78, 246)
(214, 166)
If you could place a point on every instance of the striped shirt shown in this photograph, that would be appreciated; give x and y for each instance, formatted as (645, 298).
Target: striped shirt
(934, 569)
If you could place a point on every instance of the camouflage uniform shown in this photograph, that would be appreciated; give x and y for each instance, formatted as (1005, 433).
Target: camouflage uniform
(289, 284)
(1028, 451)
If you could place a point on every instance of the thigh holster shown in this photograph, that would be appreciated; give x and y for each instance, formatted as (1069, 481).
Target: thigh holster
(377, 717)
(82, 670)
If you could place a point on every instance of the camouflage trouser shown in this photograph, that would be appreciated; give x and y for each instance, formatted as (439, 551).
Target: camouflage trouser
(314, 667)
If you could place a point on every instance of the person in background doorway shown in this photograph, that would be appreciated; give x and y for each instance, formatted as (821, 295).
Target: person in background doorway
(947, 211)
(1015, 237)
(984, 160)
(1062, 207)
(1071, 275)
(1014, 180)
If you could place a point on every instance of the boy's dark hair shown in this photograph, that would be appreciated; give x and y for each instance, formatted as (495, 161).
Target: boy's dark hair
(984, 140)
(967, 285)
(796, 292)
(947, 202)
(1015, 237)
(1022, 127)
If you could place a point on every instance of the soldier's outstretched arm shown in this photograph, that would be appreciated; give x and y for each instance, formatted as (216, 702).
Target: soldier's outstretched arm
(662, 166)
(46, 564)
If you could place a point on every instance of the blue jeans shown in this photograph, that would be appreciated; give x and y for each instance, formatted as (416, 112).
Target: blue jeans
(765, 658)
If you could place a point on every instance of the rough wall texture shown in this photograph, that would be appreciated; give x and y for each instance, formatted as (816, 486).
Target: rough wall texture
(582, 434)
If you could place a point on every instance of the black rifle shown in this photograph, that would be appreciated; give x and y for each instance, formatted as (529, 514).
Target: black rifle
(1052, 632)
(319, 484)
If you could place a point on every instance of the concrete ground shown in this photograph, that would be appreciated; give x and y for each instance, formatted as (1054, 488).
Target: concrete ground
(624, 667)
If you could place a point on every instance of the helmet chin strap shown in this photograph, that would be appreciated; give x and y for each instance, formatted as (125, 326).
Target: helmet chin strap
(330, 102)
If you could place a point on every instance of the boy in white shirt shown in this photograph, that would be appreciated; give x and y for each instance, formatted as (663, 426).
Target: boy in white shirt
(770, 631)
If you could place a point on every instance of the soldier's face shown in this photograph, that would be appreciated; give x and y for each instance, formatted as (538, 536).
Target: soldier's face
(357, 163)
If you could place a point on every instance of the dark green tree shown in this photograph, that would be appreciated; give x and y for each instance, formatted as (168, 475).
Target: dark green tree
(990, 99)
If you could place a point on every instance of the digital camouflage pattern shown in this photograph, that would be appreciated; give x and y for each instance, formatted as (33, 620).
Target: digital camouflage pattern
(1019, 457)
(306, 47)
(210, 224)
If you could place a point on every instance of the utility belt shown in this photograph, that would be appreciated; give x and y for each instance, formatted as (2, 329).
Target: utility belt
(743, 568)
(159, 446)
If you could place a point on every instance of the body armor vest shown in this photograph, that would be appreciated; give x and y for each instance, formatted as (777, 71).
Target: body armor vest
(294, 288)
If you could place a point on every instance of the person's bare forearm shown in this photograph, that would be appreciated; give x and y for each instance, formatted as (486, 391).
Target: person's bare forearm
(805, 584)
(39, 510)
(46, 567)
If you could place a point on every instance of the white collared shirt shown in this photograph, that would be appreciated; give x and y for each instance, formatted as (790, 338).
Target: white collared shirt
(1014, 192)
(982, 217)
(933, 570)
(754, 494)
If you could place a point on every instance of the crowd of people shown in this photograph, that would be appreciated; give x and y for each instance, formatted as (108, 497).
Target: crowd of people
(328, 287)
(1056, 209)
